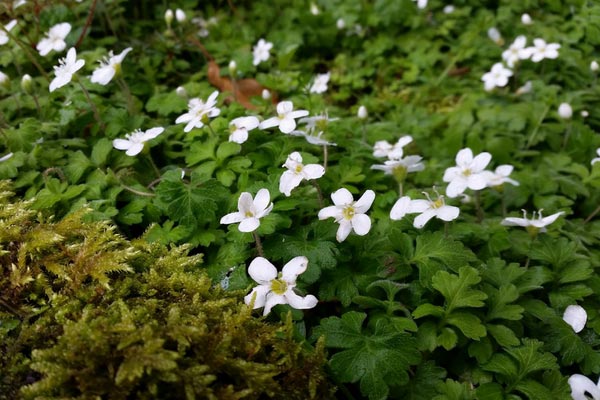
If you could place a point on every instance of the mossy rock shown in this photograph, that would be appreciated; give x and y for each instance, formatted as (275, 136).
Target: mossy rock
(86, 314)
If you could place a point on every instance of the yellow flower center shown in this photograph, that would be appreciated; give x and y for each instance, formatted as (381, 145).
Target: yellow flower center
(532, 230)
(278, 286)
(399, 173)
(249, 214)
(438, 203)
(348, 212)
(299, 168)
(467, 172)
(321, 124)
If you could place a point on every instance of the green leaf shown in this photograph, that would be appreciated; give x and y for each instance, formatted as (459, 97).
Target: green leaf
(435, 246)
(428, 309)
(100, 152)
(499, 303)
(447, 339)
(227, 149)
(502, 364)
(503, 335)
(530, 357)
(468, 324)
(165, 104)
(456, 290)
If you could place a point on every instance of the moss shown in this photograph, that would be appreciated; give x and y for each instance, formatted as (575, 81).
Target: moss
(86, 314)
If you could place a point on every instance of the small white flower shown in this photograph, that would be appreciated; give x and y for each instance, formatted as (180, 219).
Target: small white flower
(348, 213)
(597, 159)
(134, 141)
(542, 50)
(400, 167)
(468, 174)
(261, 51)
(501, 176)
(494, 34)
(316, 139)
(421, 3)
(316, 124)
(383, 148)
(449, 9)
(232, 67)
(266, 95)
(516, 51)
(526, 19)
(277, 288)
(314, 10)
(340, 23)
(6, 157)
(594, 66)
(181, 92)
(285, 118)
(169, 17)
(65, 69)
(497, 77)
(109, 67)
(534, 224)
(239, 128)
(580, 385)
(55, 39)
(526, 88)
(199, 112)
(320, 83)
(8, 27)
(26, 84)
(576, 316)
(250, 211)
(565, 111)
(180, 15)
(362, 112)
(296, 172)
(426, 208)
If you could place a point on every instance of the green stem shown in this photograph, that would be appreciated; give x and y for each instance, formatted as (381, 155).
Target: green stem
(319, 193)
(135, 191)
(259, 247)
(325, 154)
(478, 207)
(537, 128)
(92, 105)
(592, 215)
(211, 129)
(154, 167)
(128, 97)
(566, 136)
(27, 52)
(37, 104)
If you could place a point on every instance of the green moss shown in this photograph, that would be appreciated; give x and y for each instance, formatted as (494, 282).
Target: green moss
(86, 314)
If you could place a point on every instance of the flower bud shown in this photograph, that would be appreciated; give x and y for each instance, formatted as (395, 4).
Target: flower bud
(494, 34)
(341, 24)
(565, 111)
(362, 112)
(168, 17)
(232, 67)
(594, 66)
(27, 84)
(180, 15)
(585, 113)
(4, 81)
(314, 10)
(266, 95)
(449, 9)
(181, 92)
(526, 19)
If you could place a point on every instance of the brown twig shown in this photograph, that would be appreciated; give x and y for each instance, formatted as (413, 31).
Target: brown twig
(88, 22)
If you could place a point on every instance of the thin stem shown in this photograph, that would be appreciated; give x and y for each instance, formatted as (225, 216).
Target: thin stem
(364, 133)
(478, 207)
(37, 104)
(325, 154)
(319, 193)
(259, 247)
(400, 188)
(88, 22)
(27, 52)
(11, 309)
(211, 129)
(94, 109)
(128, 97)
(17, 65)
(537, 128)
(503, 204)
(592, 215)
(567, 134)
(138, 192)
(154, 167)
(446, 224)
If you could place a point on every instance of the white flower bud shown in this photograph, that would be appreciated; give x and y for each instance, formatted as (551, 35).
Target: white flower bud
(341, 24)
(26, 84)
(594, 66)
(362, 112)
(576, 316)
(314, 10)
(585, 113)
(4, 80)
(168, 17)
(526, 19)
(232, 67)
(494, 34)
(266, 95)
(449, 9)
(181, 92)
(565, 111)
(180, 15)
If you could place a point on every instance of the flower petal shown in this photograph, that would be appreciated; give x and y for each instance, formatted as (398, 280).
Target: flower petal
(284, 107)
(422, 219)
(232, 218)
(512, 221)
(245, 203)
(262, 271)
(481, 161)
(261, 200)
(313, 171)
(343, 231)
(448, 213)
(153, 132)
(288, 182)
(456, 187)
(121, 144)
(548, 220)
(464, 157)
(400, 208)
(361, 224)
(293, 268)
(135, 149)
(287, 125)
(330, 212)
(269, 123)
(576, 316)
(272, 300)
(477, 181)
(419, 206)
(249, 224)
(342, 197)
(299, 302)
(261, 296)
(365, 201)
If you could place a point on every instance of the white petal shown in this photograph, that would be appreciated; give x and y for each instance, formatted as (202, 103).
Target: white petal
(239, 136)
(153, 132)
(580, 385)
(451, 173)
(121, 144)
(135, 149)
(60, 81)
(576, 316)
(261, 200)
(288, 182)
(299, 302)
(287, 125)
(272, 300)
(297, 114)
(330, 212)
(249, 224)
(284, 107)
(422, 219)
(313, 171)
(103, 75)
(477, 181)
(512, 221)
(456, 187)
(232, 218)
(365, 201)
(293, 268)
(261, 296)
(361, 224)
(344, 230)
(448, 213)
(269, 123)
(481, 160)
(400, 208)
(464, 157)
(342, 197)
(245, 203)
(548, 220)
(419, 206)
(262, 271)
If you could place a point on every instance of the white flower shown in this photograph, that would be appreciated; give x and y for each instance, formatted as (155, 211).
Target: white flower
(314, 139)
(597, 159)
(109, 67)
(266, 94)
(427, 208)
(497, 77)
(526, 88)
(526, 19)
(565, 111)
(285, 118)
(250, 211)
(580, 385)
(180, 15)
(594, 66)
(317, 123)
(314, 10)
(239, 128)
(134, 141)
(383, 148)
(261, 51)
(448, 9)
(320, 83)
(199, 112)
(65, 69)
(296, 172)
(516, 51)
(400, 167)
(181, 92)
(348, 213)
(8, 27)
(55, 39)
(278, 288)
(421, 3)
(6, 157)
(543, 50)
(534, 224)
(576, 316)
(362, 112)
(468, 173)
(501, 176)
(494, 34)
(340, 23)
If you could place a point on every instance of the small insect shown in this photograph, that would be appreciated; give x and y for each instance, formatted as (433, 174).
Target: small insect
(225, 280)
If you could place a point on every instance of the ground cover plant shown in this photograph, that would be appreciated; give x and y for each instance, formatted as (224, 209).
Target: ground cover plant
(292, 199)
